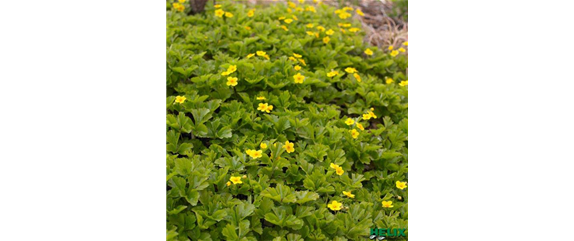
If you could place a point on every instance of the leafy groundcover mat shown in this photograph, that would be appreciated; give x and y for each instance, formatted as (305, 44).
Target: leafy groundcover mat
(282, 124)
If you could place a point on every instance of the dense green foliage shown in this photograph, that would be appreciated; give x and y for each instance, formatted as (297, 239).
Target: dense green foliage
(214, 134)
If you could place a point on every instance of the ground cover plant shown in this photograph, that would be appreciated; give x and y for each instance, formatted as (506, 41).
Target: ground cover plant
(282, 124)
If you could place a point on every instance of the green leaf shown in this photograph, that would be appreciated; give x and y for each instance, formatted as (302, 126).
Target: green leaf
(192, 197)
(280, 194)
(306, 196)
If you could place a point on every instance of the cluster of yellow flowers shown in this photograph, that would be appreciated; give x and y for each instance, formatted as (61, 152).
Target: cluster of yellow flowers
(231, 81)
(343, 14)
(179, 6)
(355, 73)
(264, 107)
(370, 114)
(339, 170)
(396, 52)
(402, 83)
(298, 58)
(400, 185)
(349, 70)
(260, 54)
(354, 133)
(219, 12)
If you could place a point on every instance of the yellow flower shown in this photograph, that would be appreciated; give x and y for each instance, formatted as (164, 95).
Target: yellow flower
(297, 55)
(298, 78)
(401, 49)
(266, 56)
(357, 76)
(354, 134)
(354, 30)
(181, 1)
(401, 185)
(219, 13)
(372, 115)
(291, 5)
(228, 183)
(335, 206)
(281, 18)
(326, 39)
(349, 121)
(247, 27)
(262, 107)
(217, 5)
(301, 1)
(360, 12)
(368, 52)
(254, 154)
(347, 9)
(235, 180)
(390, 47)
(339, 171)
(263, 146)
(289, 147)
(394, 53)
(250, 55)
(344, 25)
(406, 43)
(261, 53)
(349, 194)
(310, 33)
(310, 25)
(387, 204)
(288, 20)
(332, 73)
(269, 108)
(388, 80)
(251, 13)
(320, 28)
(343, 30)
(228, 14)
(302, 62)
(297, 67)
(299, 9)
(289, 10)
(180, 99)
(334, 166)
(351, 70)
(344, 15)
(231, 81)
(261, 98)
(404, 83)
(232, 68)
(292, 59)
(295, 17)
(178, 7)
(284, 28)
(310, 9)
(330, 32)
(360, 126)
